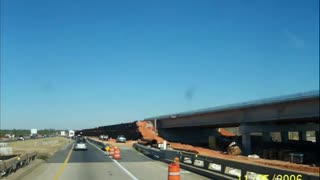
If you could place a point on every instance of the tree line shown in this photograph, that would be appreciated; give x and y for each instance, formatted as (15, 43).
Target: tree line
(27, 132)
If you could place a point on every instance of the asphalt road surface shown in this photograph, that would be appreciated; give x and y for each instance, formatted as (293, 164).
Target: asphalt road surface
(95, 164)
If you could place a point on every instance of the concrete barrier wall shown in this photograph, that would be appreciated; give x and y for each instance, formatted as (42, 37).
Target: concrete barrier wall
(221, 168)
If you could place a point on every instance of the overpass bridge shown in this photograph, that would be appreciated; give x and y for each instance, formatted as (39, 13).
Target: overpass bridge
(292, 113)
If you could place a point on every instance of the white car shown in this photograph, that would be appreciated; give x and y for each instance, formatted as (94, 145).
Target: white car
(21, 138)
(121, 139)
(80, 145)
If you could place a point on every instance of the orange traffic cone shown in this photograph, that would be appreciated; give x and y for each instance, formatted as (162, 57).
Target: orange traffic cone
(174, 171)
(117, 154)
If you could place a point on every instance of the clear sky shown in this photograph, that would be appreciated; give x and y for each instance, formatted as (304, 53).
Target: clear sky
(81, 64)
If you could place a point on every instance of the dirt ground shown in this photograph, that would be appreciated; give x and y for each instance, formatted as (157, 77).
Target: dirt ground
(147, 133)
(45, 147)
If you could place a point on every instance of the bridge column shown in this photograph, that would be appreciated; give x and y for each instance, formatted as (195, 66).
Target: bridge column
(302, 135)
(246, 143)
(245, 130)
(284, 136)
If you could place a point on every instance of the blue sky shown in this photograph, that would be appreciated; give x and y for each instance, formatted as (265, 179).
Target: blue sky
(81, 64)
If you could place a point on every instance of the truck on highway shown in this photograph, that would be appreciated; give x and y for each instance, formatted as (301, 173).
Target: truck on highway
(33, 133)
(71, 133)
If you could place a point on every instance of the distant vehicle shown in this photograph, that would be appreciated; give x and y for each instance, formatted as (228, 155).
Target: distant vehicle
(80, 145)
(104, 137)
(121, 139)
(21, 138)
(62, 133)
(10, 136)
(33, 131)
(71, 133)
(40, 136)
(33, 136)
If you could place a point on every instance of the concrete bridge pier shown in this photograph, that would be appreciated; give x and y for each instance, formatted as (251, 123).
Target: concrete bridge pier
(302, 135)
(284, 136)
(246, 138)
(246, 143)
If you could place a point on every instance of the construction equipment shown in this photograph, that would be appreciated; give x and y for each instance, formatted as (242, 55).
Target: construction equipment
(234, 149)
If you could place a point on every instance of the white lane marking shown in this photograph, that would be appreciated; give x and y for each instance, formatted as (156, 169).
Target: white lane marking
(117, 163)
(125, 170)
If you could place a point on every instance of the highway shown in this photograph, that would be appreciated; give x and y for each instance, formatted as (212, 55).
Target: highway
(95, 164)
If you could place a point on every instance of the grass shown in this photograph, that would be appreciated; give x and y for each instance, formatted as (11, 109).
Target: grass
(45, 147)
(43, 156)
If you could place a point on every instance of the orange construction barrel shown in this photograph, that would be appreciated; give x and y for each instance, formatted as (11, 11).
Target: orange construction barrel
(117, 154)
(111, 152)
(174, 171)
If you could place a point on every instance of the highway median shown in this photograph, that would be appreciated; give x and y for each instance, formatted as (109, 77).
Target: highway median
(20, 154)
